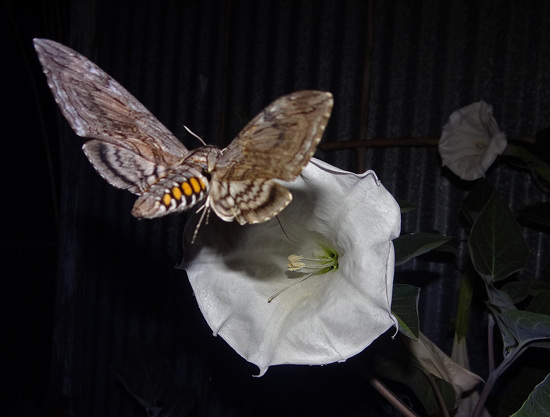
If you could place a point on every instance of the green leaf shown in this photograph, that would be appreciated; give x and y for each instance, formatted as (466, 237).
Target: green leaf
(405, 308)
(540, 167)
(517, 327)
(517, 290)
(398, 364)
(416, 244)
(540, 303)
(151, 382)
(497, 247)
(464, 303)
(499, 303)
(520, 290)
(538, 403)
(536, 214)
(405, 205)
(538, 286)
(525, 378)
(527, 326)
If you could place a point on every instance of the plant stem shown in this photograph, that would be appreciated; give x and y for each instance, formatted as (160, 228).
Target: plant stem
(493, 376)
(490, 342)
(390, 396)
(441, 402)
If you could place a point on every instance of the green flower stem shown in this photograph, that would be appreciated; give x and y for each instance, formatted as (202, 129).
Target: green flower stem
(493, 376)
(437, 393)
(391, 397)
(490, 342)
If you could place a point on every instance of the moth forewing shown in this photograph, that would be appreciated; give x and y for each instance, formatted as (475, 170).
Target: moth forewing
(280, 140)
(98, 107)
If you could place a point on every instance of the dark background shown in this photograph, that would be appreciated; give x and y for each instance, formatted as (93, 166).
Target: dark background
(85, 280)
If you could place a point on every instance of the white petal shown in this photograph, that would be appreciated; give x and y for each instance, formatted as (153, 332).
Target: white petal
(471, 141)
(235, 269)
(435, 361)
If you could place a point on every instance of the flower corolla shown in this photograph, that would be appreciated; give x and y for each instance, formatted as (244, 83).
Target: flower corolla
(471, 141)
(312, 286)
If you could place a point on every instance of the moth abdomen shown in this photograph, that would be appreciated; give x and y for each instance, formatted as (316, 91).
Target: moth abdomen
(174, 193)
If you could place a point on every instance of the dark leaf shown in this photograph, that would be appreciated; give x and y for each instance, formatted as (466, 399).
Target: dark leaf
(538, 403)
(497, 247)
(401, 366)
(526, 378)
(499, 303)
(540, 303)
(536, 214)
(150, 381)
(517, 290)
(405, 205)
(405, 308)
(538, 167)
(416, 244)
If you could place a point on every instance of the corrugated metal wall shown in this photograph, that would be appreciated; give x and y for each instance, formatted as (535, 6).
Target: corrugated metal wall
(212, 65)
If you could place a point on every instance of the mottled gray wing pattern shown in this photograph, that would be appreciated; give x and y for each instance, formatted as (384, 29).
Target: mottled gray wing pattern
(248, 201)
(98, 107)
(123, 168)
(276, 144)
(132, 150)
(279, 141)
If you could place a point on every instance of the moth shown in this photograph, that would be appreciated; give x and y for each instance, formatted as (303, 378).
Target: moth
(132, 150)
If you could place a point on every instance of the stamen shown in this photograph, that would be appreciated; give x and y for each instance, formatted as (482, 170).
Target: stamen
(294, 263)
(318, 265)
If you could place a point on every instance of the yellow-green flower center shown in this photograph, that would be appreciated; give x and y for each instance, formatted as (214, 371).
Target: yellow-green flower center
(319, 263)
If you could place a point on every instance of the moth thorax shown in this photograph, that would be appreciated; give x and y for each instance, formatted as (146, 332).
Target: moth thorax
(205, 157)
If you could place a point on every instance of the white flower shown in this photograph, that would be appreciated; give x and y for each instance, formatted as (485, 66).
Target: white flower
(436, 362)
(471, 141)
(318, 291)
(467, 399)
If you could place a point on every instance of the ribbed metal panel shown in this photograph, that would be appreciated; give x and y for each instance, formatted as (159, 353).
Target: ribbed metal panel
(212, 65)
(429, 59)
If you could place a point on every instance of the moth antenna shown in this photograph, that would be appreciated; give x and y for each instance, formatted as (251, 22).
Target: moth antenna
(207, 215)
(194, 134)
(197, 227)
(284, 231)
(270, 299)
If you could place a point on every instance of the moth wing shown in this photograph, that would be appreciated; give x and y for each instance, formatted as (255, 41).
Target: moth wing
(96, 106)
(248, 201)
(123, 168)
(279, 141)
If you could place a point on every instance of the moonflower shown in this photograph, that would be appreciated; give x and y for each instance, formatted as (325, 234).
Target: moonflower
(437, 363)
(471, 141)
(311, 287)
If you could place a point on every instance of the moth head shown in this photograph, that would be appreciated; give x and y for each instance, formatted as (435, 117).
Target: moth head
(212, 159)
